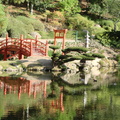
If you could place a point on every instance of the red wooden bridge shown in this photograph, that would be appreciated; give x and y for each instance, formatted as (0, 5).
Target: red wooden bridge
(19, 47)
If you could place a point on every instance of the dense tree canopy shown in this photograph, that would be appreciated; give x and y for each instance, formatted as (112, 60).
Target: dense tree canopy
(3, 20)
(70, 14)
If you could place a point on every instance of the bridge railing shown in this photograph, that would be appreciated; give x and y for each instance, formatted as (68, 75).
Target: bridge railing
(28, 47)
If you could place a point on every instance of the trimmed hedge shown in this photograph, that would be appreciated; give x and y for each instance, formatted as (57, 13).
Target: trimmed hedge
(77, 49)
(54, 47)
(98, 55)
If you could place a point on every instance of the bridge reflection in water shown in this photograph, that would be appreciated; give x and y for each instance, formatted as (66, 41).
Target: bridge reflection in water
(19, 86)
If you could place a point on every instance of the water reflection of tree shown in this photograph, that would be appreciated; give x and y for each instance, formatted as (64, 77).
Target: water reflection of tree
(81, 101)
(100, 100)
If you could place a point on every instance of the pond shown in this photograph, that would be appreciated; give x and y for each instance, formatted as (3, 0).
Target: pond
(61, 96)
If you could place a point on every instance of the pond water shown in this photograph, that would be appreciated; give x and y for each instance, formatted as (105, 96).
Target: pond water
(91, 95)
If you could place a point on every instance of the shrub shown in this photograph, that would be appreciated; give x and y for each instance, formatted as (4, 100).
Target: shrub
(3, 20)
(118, 26)
(107, 24)
(98, 55)
(71, 59)
(77, 49)
(50, 53)
(70, 34)
(23, 25)
(64, 56)
(36, 24)
(54, 47)
(79, 22)
(118, 58)
(88, 54)
(87, 58)
(47, 35)
(15, 27)
(109, 39)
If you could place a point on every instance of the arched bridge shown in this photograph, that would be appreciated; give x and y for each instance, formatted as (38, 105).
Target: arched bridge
(18, 47)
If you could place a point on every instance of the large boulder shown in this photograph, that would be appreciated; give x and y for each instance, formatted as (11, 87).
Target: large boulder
(72, 66)
(93, 63)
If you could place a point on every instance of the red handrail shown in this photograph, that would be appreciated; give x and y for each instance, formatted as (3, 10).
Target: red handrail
(21, 46)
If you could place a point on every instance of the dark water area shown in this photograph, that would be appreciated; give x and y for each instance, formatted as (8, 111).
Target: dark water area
(93, 95)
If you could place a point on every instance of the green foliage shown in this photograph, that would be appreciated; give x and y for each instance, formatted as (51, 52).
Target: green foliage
(118, 58)
(107, 24)
(50, 53)
(96, 9)
(113, 8)
(118, 26)
(87, 58)
(88, 54)
(23, 25)
(93, 55)
(77, 49)
(71, 59)
(78, 22)
(64, 56)
(18, 1)
(69, 7)
(46, 35)
(98, 55)
(3, 20)
(54, 47)
(37, 25)
(56, 55)
(15, 27)
(110, 39)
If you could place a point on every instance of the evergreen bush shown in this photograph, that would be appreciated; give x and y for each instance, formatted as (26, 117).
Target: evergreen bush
(98, 55)
(15, 28)
(77, 49)
(118, 26)
(3, 20)
(78, 22)
(118, 58)
(109, 39)
(64, 56)
(36, 24)
(54, 47)
(107, 24)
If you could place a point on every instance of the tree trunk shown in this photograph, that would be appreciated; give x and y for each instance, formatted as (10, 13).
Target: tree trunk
(31, 9)
(28, 6)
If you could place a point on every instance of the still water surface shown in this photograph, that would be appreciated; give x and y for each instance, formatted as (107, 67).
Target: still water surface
(91, 95)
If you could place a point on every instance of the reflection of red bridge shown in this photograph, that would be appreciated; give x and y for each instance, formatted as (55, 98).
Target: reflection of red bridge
(11, 85)
(15, 47)
(21, 85)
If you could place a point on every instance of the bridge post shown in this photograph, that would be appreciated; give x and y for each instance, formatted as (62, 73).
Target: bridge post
(61, 102)
(21, 40)
(19, 92)
(36, 40)
(31, 48)
(5, 53)
(46, 49)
